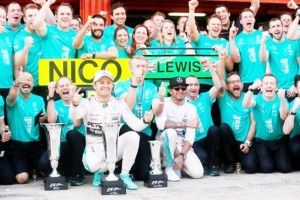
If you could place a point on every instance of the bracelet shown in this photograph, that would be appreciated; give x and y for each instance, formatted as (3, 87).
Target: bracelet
(186, 42)
(145, 121)
(133, 86)
(292, 113)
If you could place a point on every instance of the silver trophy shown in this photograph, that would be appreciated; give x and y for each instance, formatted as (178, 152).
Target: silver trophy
(54, 181)
(157, 178)
(155, 153)
(111, 185)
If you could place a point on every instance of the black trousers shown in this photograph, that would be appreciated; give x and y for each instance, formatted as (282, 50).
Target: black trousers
(7, 175)
(232, 154)
(294, 149)
(208, 149)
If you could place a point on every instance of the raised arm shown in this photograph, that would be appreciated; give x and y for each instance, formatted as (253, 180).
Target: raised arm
(255, 4)
(263, 52)
(78, 40)
(248, 101)
(191, 21)
(293, 32)
(290, 120)
(21, 57)
(283, 110)
(51, 112)
(235, 53)
(14, 90)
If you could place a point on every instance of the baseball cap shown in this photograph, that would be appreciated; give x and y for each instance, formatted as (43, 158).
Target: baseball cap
(101, 74)
(177, 81)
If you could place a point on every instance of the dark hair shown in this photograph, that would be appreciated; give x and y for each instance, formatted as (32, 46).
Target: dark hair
(231, 74)
(296, 80)
(14, 2)
(64, 4)
(222, 5)
(269, 75)
(285, 13)
(274, 19)
(158, 13)
(115, 6)
(133, 43)
(245, 10)
(120, 28)
(213, 16)
(99, 16)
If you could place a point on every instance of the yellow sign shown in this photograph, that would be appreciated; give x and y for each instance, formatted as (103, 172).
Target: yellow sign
(81, 71)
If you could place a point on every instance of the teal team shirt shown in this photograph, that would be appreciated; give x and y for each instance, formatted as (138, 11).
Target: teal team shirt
(250, 67)
(13, 32)
(6, 60)
(203, 105)
(110, 30)
(63, 117)
(145, 94)
(283, 60)
(177, 48)
(58, 44)
(34, 53)
(1, 107)
(21, 118)
(235, 115)
(296, 129)
(91, 46)
(267, 118)
(122, 53)
(205, 43)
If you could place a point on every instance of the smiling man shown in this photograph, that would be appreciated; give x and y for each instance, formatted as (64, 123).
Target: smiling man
(282, 54)
(270, 110)
(94, 45)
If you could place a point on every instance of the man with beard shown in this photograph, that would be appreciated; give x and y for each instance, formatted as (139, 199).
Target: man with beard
(269, 110)
(94, 45)
(72, 134)
(237, 128)
(25, 112)
(118, 15)
(56, 40)
(283, 56)
(178, 123)
(245, 49)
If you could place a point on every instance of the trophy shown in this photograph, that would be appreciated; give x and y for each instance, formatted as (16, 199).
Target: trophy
(111, 185)
(157, 178)
(55, 181)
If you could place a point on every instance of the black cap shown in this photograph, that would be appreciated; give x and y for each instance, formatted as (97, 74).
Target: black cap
(177, 81)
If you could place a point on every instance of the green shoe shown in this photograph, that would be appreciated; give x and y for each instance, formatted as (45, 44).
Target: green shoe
(127, 179)
(77, 180)
(98, 176)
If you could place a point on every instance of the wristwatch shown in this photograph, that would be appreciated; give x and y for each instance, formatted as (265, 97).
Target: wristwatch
(50, 98)
(183, 155)
(248, 142)
(292, 113)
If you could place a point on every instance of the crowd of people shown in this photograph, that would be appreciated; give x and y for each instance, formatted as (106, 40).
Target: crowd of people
(246, 112)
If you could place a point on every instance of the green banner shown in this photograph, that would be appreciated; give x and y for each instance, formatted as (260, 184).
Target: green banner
(161, 67)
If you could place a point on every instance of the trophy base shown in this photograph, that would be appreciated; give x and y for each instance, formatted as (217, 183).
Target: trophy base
(112, 187)
(156, 181)
(55, 183)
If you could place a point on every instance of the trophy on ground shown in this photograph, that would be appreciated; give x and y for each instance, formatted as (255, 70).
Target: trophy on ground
(55, 181)
(157, 178)
(111, 184)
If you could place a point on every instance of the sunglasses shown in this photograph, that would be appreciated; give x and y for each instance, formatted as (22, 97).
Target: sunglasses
(179, 88)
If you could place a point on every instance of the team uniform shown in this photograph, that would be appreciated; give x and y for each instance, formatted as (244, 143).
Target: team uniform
(109, 33)
(249, 45)
(122, 53)
(23, 120)
(146, 93)
(34, 53)
(58, 44)
(173, 139)
(177, 48)
(6, 171)
(207, 139)
(95, 115)
(270, 143)
(72, 142)
(234, 129)
(283, 61)
(91, 46)
(11, 31)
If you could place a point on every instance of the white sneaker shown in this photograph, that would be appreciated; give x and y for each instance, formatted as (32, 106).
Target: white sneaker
(171, 174)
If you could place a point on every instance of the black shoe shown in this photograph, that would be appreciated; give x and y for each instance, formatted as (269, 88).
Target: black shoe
(214, 170)
(77, 180)
(229, 169)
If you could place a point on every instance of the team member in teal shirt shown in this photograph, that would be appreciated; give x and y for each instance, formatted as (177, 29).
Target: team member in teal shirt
(237, 128)
(282, 54)
(25, 111)
(118, 15)
(72, 134)
(141, 96)
(291, 126)
(6, 61)
(57, 40)
(245, 49)
(94, 45)
(121, 37)
(14, 16)
(270, 110)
